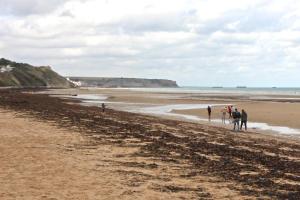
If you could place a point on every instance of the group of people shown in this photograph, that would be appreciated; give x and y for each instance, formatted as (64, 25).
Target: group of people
(238, 119)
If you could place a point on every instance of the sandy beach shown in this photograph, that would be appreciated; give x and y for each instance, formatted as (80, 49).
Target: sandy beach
(55, 149)
(42, 161)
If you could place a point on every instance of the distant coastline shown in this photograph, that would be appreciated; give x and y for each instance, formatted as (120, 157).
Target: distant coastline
(112, 82)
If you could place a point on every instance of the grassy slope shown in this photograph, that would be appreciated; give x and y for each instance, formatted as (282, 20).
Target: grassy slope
(25, 75)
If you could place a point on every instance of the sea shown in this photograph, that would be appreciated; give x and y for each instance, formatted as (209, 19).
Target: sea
(291, 91)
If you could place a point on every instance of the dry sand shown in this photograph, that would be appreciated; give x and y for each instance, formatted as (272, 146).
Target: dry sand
(41, 161)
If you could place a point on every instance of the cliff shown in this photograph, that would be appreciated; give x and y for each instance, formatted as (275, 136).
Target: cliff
(123, 82)
(14, 74)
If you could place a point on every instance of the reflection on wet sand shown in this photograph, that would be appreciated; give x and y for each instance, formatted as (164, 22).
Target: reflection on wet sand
(167, 111)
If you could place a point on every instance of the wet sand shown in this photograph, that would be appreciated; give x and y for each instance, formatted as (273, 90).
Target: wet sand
(272, 113)
(273, 110)
(61, 150)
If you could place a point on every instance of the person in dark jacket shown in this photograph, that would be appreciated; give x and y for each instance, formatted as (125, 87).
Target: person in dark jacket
(209, 112)
(103, 107)
(244, 119)
(236, 115)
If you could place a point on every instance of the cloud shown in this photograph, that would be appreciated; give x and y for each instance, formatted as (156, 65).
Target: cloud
(194, 42)
(165, 22)
(67, 13)
(28, 7)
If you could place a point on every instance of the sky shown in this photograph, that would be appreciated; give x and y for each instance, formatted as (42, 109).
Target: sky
(253, 43)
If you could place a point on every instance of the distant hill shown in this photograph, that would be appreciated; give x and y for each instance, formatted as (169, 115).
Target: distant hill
(122, 82)
(14, 74)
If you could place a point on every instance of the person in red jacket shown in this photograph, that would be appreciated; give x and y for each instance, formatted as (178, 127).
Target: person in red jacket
(229, 108)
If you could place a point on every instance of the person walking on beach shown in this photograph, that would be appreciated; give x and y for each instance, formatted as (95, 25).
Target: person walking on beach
(223, 111)
(244, 119)
(236, 115)
(229, 108)
(103, 107)
(209, 112)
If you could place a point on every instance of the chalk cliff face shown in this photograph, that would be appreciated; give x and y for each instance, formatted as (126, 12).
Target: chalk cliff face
(14, 74)
(123, 82)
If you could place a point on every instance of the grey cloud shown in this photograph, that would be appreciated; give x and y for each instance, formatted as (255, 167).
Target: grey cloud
(28, 7)
(137, 24)
(246, 21)
(237, 21)
(48, 43)
(67, 13)
(260, 20)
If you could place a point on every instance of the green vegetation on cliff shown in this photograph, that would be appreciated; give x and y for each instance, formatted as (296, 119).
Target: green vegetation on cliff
(14, 74)
(107, 82)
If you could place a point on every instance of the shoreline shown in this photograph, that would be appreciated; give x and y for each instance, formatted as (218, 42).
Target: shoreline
(242, 166)
(264, 116)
